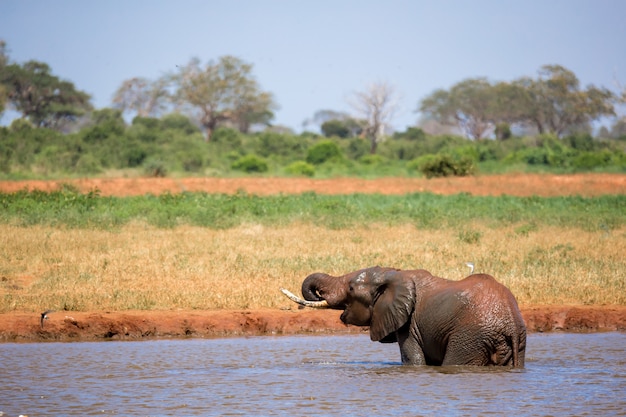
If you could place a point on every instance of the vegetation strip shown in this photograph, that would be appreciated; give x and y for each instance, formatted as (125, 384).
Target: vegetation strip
(70, 208)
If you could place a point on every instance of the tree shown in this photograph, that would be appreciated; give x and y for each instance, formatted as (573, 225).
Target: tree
(470, 105)
(556, 104)
(142, 96)
(376, 106)
(553, 103)
(221, 92)
(254, 110)
(42, 98)
(618, 130)
(342, 128)
(335, 128)
(336, 123)
(4, 60)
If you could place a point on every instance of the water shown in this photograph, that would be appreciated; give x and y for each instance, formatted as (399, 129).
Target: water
(565, 375)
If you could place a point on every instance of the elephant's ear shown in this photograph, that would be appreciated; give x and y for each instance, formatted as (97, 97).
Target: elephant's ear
(393, 305)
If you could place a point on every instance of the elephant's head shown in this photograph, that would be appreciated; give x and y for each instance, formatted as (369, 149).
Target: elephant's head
(380, 298)
(377, 297)
(334, 290)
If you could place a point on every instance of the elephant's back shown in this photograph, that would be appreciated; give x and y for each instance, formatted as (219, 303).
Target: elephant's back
(486, 285)
(483, 294)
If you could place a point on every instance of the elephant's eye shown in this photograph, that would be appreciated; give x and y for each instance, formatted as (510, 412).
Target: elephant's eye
(351, 288)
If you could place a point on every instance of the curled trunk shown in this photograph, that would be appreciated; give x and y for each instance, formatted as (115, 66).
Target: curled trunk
(312, 285)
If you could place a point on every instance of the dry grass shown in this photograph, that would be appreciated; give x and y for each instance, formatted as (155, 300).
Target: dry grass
(140, 267)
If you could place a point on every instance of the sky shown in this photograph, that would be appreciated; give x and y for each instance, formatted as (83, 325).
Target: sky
(314, 55)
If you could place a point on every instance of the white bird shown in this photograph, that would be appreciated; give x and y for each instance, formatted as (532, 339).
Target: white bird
(470, 265)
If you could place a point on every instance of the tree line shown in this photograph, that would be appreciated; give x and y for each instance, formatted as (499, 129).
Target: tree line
(553, 103)
(214, 118)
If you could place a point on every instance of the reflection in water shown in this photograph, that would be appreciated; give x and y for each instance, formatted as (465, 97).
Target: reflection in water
(565, 374)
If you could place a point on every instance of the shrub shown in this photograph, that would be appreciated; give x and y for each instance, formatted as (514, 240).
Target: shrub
(300, 168)
(503, 131)
(250, 163)
(154, 167)
(444, 166)
(371, 159)
(54, 159)
(88, 164)
(590, 160)
(180, 122)
(411, 133)
(335, 128)
(225, 139)
(356, 147)
(148, 122)
(580, 142)
(21, 125)
(134, 155)
(323, 151)
(281, 145)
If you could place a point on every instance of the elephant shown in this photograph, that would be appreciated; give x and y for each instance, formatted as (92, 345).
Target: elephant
(435, 321)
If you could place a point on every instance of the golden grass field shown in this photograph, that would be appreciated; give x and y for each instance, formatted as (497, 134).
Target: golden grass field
(144, 268)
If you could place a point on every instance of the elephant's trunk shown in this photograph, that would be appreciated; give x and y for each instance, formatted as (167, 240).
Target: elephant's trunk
(323, 287)
(306, 303)
(311, 285)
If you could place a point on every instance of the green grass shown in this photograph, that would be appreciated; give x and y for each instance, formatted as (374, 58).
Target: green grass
(69, 208)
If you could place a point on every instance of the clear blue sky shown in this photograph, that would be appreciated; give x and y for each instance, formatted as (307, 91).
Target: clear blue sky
(313, 54)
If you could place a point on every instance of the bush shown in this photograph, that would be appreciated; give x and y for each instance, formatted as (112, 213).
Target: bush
(412, 134)
(54, 159)
(371, 159)
(281, 145)
(335, 128)
(155, 168)
(177, 121)
(88, 164)
(300, 168)
(580, 142)
(227, 136)
(355, 148)
(148, 122)
(443, 166)
(133, 155)
(590, 160)
(503, 131)
(250, 163)
(323, 151)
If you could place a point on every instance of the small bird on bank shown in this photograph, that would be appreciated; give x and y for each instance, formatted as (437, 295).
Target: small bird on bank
(470, 265)
(44, 316)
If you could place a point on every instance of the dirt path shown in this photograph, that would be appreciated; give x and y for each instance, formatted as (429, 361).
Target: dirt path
(138, 325)
(513, 184)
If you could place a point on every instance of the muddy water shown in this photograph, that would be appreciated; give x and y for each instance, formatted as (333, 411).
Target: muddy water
(565, 374)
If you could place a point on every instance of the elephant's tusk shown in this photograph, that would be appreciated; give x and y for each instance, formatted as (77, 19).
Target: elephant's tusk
(298, 300)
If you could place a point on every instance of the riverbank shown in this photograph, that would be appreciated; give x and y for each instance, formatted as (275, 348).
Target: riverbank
(69, 326)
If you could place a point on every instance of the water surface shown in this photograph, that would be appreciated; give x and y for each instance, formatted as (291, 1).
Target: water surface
(565, 375)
